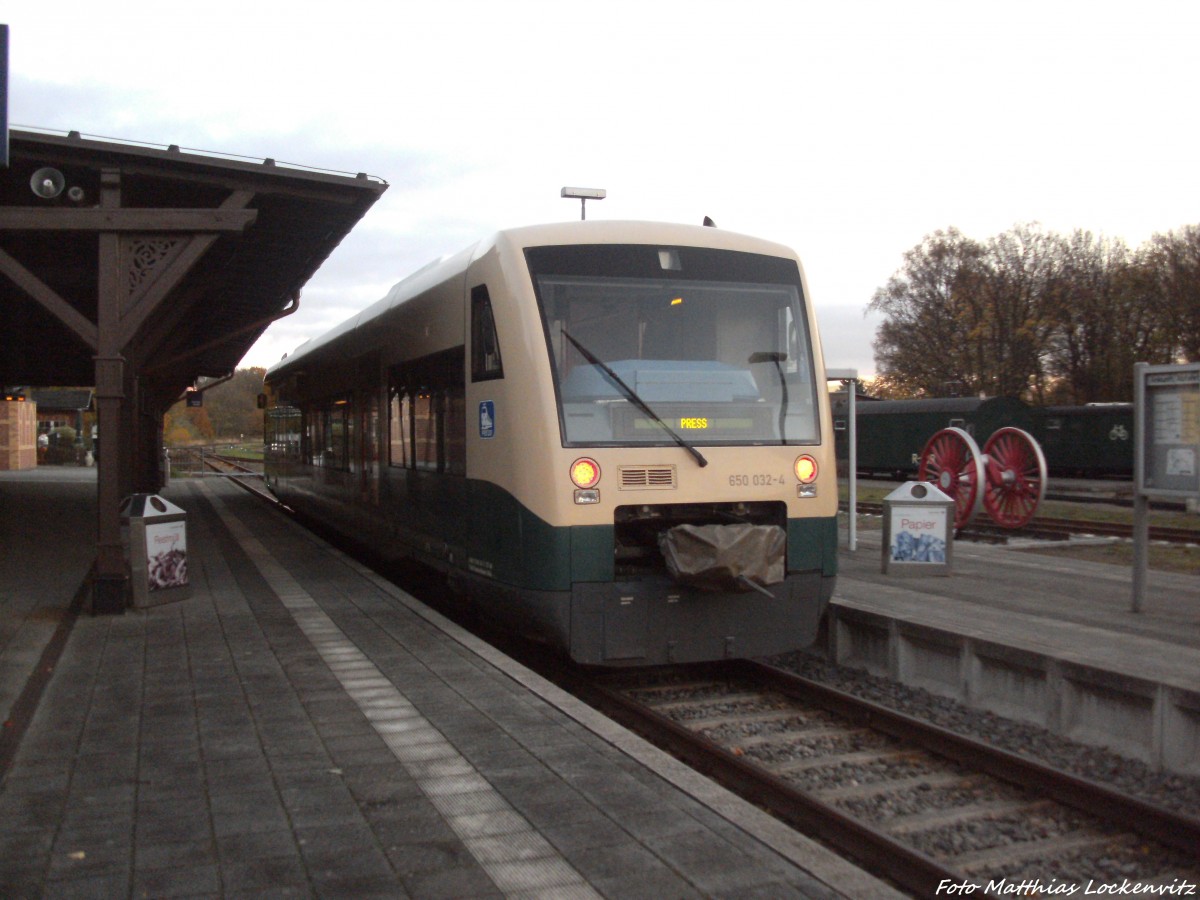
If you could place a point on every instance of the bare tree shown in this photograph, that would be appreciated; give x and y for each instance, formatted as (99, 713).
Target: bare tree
(1173, 262)
(1101, 327)
(930, 336)
(1023, 272)
(1036, 315)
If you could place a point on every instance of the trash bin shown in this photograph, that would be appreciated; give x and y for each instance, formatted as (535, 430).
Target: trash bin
(157, 531)
(917, 536)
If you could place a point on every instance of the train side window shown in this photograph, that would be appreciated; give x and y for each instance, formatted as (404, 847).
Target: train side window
(485, 346)
(425, 430)
(348, 451)
(400, 427)
(314, 435)
(334, 433)
(283, 432)
(427, 421)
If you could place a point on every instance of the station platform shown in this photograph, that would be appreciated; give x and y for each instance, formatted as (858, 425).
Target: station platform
(1048, 640)
(300, 727)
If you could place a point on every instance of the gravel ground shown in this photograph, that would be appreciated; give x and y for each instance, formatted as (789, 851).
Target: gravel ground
(1178, 792)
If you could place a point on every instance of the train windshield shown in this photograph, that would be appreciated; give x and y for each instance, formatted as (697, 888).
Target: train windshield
(652, 344)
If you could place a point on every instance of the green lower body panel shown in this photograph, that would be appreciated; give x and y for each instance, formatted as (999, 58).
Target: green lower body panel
(659, 622)
(812, 545)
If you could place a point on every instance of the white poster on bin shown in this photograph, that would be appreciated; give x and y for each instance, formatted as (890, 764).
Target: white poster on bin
(918, 535)
(166, 554)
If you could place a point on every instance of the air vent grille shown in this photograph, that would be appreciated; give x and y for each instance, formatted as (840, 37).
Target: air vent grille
(647, 478)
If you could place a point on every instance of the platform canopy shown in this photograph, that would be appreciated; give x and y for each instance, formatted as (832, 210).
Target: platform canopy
(212, 249)
(138, 269)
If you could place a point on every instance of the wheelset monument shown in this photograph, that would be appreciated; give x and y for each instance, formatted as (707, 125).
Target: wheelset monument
(1008, 478)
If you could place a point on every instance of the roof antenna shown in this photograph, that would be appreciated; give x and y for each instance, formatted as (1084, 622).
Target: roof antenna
(709, 223)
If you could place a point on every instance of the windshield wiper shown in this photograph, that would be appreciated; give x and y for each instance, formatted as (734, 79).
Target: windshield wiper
(776, 358)
(634, 398)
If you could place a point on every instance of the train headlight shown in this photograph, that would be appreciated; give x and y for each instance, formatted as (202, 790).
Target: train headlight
(806, 469)
(585, 473)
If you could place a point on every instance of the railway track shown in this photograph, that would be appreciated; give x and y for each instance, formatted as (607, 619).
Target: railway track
(912, 802)
(247, 477)
(1059, 529)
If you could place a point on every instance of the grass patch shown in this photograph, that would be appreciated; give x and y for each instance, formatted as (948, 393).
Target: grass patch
(1181, 558)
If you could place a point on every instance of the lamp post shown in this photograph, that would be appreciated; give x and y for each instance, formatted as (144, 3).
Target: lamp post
(583, 195)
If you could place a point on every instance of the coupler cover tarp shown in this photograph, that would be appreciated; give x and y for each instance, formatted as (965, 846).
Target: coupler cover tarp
(725, 557)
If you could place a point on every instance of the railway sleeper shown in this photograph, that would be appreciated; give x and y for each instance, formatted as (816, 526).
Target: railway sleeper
(980, 862)
(915, 823)
(641, 693)
(933, 780)
(856, 758)
(725, 699)
(785, 741)
(805, 725)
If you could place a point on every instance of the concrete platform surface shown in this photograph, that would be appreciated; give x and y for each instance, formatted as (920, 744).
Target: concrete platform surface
(299, 727)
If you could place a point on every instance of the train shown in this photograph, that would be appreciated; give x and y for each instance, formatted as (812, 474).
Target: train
(610, 437)
(1083, 441)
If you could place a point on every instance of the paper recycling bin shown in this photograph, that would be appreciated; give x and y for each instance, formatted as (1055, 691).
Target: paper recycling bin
(157, 549)
(917, 530)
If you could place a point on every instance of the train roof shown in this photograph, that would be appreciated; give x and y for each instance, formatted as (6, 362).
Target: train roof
(638, 232)
(428, 275)
(581, 232)
(1089, 409)
(938, 405)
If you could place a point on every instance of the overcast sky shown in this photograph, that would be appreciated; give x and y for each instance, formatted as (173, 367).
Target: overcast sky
(848, 131)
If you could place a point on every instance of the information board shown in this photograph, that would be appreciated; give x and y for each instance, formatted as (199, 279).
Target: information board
(1168, 420)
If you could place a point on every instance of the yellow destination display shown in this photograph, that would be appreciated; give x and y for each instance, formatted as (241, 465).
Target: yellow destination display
(731, 424)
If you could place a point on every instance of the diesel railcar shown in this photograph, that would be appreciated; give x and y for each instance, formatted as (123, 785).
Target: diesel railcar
(612, 437)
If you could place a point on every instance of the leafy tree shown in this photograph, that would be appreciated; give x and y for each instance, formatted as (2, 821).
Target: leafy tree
(230, 412)
(178, 436)
(233, 405)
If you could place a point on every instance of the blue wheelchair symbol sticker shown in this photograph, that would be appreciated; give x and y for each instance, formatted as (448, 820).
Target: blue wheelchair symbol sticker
(487, 419)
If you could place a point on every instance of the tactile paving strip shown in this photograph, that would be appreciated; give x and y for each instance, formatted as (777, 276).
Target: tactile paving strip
(515, 856)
